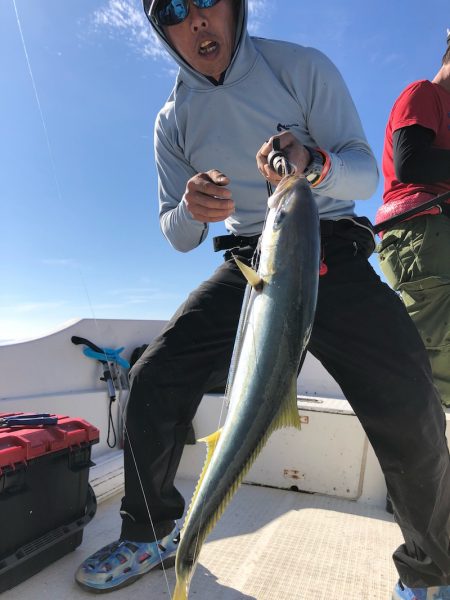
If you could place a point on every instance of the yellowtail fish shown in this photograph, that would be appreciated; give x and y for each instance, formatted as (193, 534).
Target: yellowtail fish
(274, 330)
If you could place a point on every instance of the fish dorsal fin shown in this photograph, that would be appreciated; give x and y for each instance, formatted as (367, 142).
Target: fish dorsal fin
(211, 442)
(250, 274)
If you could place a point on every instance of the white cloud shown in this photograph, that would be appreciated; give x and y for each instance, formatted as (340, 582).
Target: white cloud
(144, 295)
(257, 13)
(60, 262)
(32, 307)
(19, 330)
(126, 18)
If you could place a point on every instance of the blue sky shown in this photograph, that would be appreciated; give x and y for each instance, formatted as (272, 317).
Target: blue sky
(79, 231)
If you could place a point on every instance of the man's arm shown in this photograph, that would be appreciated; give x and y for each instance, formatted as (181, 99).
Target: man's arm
(334, 125)
(188, 201)
(177, 224)
(415, 159)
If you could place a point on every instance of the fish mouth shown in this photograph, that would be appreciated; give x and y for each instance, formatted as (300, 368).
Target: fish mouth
(208, 47)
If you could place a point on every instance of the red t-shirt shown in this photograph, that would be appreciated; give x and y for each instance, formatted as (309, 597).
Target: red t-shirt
(421, 103)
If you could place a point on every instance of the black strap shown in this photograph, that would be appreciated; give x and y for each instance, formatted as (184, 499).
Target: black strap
(440, 200)
(358, 230)
(328, 228)
(226, 242)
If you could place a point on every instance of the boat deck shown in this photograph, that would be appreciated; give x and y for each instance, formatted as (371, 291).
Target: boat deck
(269, 545)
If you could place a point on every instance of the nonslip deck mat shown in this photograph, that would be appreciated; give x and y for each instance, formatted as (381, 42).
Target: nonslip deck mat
(269, 545)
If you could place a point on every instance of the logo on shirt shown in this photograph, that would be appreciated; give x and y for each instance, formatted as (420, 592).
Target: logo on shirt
(281, 127)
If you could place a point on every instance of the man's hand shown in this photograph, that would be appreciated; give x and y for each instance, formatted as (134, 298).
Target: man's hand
(207, 198)
(295, 152)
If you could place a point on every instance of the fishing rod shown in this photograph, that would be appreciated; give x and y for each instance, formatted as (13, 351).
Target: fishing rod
(104, 357)
(278, 161)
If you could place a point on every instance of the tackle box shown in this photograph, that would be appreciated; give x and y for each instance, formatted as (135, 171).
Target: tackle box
(45, 496)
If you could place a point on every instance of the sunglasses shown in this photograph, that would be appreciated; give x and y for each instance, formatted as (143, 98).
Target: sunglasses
(173, 12)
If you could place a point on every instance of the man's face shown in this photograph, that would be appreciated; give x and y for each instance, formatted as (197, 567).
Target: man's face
(205, 39)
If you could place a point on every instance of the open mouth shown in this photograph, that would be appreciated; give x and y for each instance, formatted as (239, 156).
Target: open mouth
(207, 47)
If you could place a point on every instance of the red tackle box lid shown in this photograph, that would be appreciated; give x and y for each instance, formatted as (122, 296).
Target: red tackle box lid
(20, 444)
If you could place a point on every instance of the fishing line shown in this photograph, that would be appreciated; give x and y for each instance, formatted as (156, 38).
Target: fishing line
(50, 152)
(38, 102)
(243, 319)
(242, 329)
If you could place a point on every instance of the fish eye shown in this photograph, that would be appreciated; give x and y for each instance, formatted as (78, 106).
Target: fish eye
(282, 211)
(279, 218)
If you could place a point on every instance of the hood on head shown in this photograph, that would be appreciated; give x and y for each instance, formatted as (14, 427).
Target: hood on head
(149, 9)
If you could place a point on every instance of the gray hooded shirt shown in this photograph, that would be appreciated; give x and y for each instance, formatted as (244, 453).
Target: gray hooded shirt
(268, 87)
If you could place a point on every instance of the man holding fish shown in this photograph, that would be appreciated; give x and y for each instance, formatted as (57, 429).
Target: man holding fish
(232, 93)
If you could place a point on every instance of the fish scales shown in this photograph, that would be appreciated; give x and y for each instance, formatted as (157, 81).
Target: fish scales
(262, 393)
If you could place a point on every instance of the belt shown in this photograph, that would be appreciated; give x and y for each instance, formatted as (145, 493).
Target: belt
(226, 242)
(328, 228)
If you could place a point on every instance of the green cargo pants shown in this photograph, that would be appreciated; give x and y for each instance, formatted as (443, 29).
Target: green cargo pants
(415, 258)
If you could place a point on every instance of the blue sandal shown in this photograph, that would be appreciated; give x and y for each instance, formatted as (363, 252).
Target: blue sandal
(121, 563)
(402, 592)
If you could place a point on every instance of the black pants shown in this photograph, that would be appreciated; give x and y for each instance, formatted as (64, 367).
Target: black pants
(366, 341)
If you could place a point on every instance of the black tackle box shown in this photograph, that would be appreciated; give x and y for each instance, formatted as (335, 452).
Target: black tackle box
(45, 496)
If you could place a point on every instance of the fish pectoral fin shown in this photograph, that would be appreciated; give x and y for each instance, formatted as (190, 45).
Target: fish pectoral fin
(288, 414)
(250, 274)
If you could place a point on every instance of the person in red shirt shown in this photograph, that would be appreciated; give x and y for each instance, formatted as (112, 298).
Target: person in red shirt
(415, 255)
